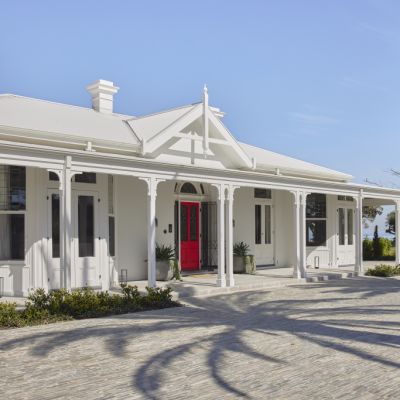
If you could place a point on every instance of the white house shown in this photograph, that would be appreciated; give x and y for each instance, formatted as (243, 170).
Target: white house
(87, 192)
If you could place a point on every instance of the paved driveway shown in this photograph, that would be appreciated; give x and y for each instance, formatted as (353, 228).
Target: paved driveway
(339, 339)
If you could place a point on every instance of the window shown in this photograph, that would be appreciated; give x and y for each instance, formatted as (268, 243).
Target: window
(316, 220)
(262, 193)
(350, 214)
(55, 225)
(12, 212)
(86, 226)
(111, 217)
(53, 176)
(345, 198)
(258, 223)
(188, 188)
(342, 226)
(316, 233)
(268, 224)
(86, 177)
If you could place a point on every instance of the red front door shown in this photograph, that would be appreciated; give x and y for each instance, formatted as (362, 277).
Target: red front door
(190, 244)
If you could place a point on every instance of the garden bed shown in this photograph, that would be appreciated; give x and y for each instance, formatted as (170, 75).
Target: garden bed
(384, 270)
(62, 305)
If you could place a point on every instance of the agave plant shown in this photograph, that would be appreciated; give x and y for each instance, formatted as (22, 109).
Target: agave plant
(241, 249)
(164, 253)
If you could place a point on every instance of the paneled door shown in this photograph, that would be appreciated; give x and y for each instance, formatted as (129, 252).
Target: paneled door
(86, 241)
(189, 234)
(345, 236)
(264, 247)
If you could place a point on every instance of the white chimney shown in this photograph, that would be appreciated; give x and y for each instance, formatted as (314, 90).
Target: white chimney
(102, 93)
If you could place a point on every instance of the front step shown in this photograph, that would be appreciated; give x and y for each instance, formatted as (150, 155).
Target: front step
(328, 276)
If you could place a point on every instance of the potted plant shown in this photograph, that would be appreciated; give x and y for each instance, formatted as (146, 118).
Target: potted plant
(165, 256)
(243, 262)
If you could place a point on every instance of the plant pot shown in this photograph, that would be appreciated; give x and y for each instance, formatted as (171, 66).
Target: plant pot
(164, 270)
(244, 264)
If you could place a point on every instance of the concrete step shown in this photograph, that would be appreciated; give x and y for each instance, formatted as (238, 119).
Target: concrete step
(327, 276)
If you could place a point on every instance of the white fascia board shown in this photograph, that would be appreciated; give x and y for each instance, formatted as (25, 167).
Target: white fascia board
(162, 137)
(55, 138)
(231, 140)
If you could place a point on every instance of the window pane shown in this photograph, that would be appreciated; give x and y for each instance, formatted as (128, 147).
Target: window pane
(258, 223)
(184, 217)
(86, 226)
(316, 233)
(268, 225)
(188, 188)
(111, 233)
(55, 225)
(86, 177)
(12, 187)
(262, 193)
(12, 237)
(341, 226)
(53, 176)
(110, 194)
(316, 206)
(193, 223)
(350, 226)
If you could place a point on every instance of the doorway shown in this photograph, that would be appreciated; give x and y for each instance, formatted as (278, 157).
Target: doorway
(189, 236)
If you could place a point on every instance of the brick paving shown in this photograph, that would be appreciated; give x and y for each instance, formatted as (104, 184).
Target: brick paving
(330, 340)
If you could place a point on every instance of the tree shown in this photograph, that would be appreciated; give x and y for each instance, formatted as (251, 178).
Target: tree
(391, 223)
(370, 213)
(376, 244)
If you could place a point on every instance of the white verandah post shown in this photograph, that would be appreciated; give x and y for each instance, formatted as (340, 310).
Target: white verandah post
(303, 227)
(221, 279)
(358, 266)
(152, 183)
(297, 247)
(397, 236)
(229, 244)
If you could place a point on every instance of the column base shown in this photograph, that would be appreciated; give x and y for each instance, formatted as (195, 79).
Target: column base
(296, 273)
(230, 282)
(221, 281)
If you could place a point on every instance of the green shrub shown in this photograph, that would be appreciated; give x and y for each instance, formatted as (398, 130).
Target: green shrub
(157, 297)
(42, 307)
(9, 316)
(368, 250)
(378, 249)
(384, 270)
(164, 253)
(241, 249)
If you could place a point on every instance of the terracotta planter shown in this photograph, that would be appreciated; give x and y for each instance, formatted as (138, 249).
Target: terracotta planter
(164, 270)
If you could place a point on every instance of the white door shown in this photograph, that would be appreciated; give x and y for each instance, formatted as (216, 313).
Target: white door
(345, 235)
(86, 241)
(53, 239)
(264, 248)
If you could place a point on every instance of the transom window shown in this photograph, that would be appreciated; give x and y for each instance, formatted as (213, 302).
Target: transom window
(316, 220)
(188, 188)
(86, 177)
(345, 198)
(12, 212)
(262, 193)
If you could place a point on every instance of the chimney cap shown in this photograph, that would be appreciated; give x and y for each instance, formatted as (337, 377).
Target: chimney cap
(101, 85)
(102, 93)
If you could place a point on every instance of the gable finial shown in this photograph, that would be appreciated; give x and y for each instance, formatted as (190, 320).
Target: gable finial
(205, 121)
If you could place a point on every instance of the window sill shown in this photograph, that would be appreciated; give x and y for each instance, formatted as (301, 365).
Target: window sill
(12, 262)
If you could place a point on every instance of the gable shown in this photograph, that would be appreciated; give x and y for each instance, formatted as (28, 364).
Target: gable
(190, 135)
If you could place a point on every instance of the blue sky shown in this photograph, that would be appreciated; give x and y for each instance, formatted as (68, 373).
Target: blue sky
(314, 79)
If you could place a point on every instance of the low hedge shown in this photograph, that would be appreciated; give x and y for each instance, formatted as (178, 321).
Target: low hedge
(61, 305)
(383, 270)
